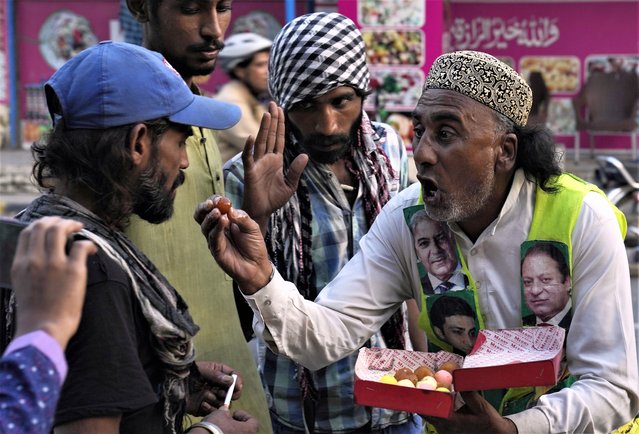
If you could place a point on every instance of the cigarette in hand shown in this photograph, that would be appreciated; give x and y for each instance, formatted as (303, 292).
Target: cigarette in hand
(229, 394)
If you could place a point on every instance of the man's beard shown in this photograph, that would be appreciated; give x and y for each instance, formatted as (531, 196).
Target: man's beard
(464, 203)
(314, 144)
(151, 201)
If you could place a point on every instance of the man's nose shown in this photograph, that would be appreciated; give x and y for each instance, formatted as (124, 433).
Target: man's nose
(423, 153)
(210, 27)
(535, 288)
(326, 121)
(184, 159)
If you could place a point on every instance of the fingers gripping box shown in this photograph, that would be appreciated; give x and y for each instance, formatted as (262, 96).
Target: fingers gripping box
(500, 359)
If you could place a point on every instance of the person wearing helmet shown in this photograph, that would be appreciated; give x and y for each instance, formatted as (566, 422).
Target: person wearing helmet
(245, 60)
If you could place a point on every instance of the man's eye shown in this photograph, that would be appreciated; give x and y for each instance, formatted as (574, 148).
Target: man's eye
(303, 105)
(342, 101)
(443, 135)
(418, 131)
(224, 7)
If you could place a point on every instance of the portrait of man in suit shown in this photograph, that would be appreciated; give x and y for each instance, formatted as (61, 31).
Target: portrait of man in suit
(546, 282)
(435, 247)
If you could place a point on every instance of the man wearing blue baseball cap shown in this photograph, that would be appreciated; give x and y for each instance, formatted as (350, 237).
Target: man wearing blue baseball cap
(190, 36)
(121, 117)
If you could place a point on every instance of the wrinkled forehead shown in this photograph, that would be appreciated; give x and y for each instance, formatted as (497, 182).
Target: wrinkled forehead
(442, 104)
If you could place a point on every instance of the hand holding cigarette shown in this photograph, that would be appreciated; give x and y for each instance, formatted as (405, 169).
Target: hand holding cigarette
(229, 393)
(212, 386)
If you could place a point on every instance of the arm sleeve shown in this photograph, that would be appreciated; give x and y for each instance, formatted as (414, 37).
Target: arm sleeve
(29, 389)
(351, 308)
(601, 347)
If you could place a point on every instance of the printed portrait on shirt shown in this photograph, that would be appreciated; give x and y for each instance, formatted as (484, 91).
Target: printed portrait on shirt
(434, 245)
(453, 322)
(546, 284)
(449, 310)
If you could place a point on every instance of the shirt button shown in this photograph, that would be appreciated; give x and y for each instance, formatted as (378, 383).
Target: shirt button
(267, 303)
(478, 284)
(473, 251)
(217, 177)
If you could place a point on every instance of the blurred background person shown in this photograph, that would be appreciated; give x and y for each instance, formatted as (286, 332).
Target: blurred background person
(245, 60)
(540, 99)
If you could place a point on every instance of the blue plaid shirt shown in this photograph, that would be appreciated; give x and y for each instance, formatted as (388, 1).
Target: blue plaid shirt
(331, 249)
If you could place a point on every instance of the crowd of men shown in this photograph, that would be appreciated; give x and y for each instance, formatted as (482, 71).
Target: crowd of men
(327, 247)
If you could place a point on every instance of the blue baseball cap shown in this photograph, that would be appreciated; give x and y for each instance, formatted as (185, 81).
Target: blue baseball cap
(114, 83)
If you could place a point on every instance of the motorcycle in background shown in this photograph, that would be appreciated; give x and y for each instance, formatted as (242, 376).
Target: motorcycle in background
(620, 181)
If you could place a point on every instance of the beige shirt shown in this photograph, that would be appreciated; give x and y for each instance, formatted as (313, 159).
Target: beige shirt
(180, 252)
(231, 141)
(600, 344)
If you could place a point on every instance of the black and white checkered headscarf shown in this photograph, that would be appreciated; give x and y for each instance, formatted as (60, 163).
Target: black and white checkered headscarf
(314, 54)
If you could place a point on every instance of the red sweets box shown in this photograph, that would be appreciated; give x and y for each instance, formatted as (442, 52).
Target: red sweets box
(500, 359)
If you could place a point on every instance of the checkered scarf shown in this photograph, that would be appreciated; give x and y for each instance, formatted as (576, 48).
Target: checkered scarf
(314, 54)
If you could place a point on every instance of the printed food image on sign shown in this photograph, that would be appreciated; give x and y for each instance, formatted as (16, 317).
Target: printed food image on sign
(561, 73)
(397, 89)
(391, 12)
(63, 35)
(561, 116)
(394, 47)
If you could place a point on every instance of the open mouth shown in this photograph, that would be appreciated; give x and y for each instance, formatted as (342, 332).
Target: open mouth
(429, 188)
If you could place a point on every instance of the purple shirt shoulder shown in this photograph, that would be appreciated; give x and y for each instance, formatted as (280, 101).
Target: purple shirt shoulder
(32, 371)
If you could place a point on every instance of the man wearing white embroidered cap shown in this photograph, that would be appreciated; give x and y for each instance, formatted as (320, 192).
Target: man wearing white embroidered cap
(498, 185)
(121, 118)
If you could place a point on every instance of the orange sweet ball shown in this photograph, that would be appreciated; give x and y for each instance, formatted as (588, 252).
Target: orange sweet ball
(223, 204)
(403, 373)
(424, 371)
(449, 366)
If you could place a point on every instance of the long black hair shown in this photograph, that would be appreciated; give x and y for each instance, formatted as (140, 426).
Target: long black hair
(536, 152)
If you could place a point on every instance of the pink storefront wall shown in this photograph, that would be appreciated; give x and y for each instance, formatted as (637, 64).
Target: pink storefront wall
(575, 32)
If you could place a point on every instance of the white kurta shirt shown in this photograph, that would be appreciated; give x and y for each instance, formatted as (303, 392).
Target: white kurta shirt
(600, 344)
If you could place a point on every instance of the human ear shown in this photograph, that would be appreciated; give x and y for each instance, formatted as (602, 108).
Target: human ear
(138, 9)
(507, 152)
(139, 144)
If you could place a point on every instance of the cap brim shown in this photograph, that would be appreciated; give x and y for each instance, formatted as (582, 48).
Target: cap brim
(207, 112)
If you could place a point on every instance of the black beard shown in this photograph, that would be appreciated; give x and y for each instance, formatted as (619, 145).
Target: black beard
(151, 202)
(326, 157)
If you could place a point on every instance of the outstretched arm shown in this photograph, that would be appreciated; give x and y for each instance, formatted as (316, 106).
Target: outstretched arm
(266, 186)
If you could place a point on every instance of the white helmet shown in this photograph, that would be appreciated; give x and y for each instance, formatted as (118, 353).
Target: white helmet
(240, 47)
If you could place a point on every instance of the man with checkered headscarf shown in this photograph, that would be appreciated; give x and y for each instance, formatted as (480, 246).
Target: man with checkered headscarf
(498, 185)
(318, 75)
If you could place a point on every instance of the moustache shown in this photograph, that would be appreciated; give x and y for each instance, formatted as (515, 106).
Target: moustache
(179, 180)
(215, 44)
(321, 140)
